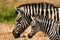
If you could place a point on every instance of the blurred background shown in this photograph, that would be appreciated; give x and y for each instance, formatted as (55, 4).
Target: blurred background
(8, 17)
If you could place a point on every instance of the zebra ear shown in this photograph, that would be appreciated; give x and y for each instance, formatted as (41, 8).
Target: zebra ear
(20, 8)
(59, 12)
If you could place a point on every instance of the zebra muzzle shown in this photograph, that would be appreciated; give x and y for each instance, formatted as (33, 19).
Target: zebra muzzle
(16, 34)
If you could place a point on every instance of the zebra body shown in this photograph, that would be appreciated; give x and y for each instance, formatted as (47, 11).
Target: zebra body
(48, 25)
(27, 11)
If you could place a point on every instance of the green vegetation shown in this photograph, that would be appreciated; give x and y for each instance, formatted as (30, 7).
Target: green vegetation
(7, 15)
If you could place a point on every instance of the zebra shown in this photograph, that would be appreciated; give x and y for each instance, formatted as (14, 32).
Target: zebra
(27, 11)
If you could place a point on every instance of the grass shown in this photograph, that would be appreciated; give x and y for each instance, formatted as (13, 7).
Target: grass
(7, 15)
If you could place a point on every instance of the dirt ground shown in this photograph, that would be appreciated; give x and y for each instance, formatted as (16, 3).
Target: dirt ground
(6, 33)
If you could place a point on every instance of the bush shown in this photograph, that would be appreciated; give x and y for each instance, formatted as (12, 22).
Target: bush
(7, 15)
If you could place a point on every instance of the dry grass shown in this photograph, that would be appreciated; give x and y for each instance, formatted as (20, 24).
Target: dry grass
(14, 3)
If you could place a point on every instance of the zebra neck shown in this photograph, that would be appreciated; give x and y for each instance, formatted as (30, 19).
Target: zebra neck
(59, 14)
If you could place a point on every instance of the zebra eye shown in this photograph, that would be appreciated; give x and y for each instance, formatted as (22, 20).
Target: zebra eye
(19, 26)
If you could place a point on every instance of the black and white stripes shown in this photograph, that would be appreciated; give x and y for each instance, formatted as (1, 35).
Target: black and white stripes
(21, 24)
(40, 9)
(48, 25)
(27, 11)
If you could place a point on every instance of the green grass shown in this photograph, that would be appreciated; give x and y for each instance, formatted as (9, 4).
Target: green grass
(7, 15)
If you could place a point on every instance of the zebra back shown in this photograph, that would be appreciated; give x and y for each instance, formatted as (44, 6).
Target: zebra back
(40, 9)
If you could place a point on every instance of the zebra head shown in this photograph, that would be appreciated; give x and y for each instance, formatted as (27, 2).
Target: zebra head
(20, 27)
(22, 22)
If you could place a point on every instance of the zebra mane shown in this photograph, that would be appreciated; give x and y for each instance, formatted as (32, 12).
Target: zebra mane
(35, 4)
(20, 7)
